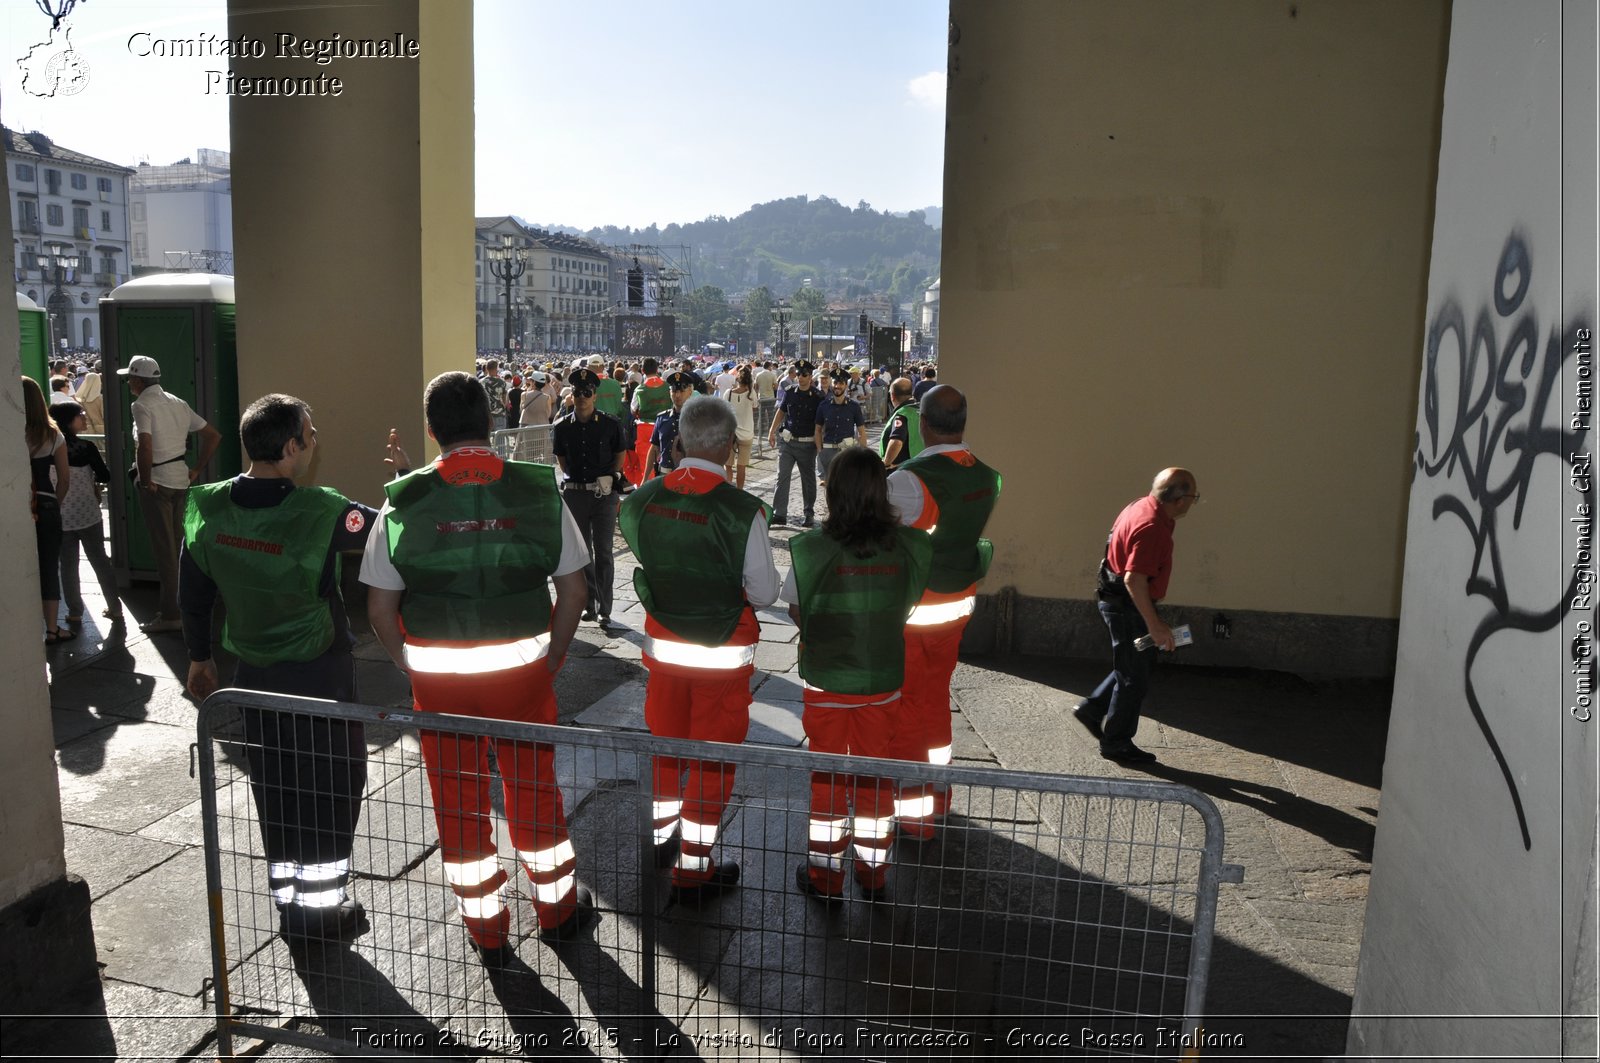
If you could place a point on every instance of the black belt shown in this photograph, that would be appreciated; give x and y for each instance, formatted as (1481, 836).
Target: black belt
(578, 483)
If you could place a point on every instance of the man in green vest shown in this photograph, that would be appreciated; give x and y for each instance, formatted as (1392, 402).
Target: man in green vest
(705, 566)
(651, 399)
(902, 432)
(608, 392)
(271, 551)
(854, 582)
(948, 492)
(459, 595)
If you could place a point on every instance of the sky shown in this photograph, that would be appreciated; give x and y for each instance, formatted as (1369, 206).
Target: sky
(625, 113)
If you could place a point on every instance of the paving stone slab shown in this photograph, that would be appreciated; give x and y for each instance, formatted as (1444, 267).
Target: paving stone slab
(69, 725)
(620, 709)
(125, 778)
(106, 859)
(154, 931)
(775, 723)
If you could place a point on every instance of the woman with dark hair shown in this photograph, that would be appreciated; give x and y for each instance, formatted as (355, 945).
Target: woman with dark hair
(80, 516)
(47, 453)
(853, 584)
(742, 397)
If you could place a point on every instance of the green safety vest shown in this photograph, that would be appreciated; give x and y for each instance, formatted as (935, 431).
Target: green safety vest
(268, 565)
(654, 399)
(691, 556)
(476, 557)
(608, 398)
(853, 609)
(913, 415)
(966, 495)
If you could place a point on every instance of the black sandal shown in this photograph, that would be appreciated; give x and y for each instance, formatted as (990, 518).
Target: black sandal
(55, 636)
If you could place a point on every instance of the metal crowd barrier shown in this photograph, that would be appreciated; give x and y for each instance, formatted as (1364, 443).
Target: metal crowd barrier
(1056, 917)
(877, 405)
(532, 443)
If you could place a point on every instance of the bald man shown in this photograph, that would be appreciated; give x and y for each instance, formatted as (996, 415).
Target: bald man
(947, 492)
(1134, 578)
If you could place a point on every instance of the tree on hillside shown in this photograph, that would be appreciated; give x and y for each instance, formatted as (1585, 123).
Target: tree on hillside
(758, 311)
(808, 301)
(704, 313)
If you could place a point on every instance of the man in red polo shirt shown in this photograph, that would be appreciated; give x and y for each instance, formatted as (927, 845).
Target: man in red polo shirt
(1138, 566)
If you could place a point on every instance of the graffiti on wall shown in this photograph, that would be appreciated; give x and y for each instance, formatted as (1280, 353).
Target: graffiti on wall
(1493, 405)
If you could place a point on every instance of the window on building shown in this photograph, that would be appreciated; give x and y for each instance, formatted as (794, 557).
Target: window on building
(28, 215)
(24, 172)
(104, 184)
(80, 181)
(52, 181)
(54, 215)
(138, 210)
(141, 246)
(105, 221)
(80, 217)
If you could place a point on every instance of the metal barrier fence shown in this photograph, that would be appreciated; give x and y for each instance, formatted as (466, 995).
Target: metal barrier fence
(532, 443)
(1055, 916)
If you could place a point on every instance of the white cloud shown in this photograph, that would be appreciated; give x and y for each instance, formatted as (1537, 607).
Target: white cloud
(927, 90)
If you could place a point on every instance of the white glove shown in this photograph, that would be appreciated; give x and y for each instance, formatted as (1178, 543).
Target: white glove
(602, 487)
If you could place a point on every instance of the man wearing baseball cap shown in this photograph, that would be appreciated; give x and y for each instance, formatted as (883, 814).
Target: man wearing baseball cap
(162, 424)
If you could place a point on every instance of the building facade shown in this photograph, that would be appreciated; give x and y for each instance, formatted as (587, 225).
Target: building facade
(558, 294)
(69, 233)
(181, 216)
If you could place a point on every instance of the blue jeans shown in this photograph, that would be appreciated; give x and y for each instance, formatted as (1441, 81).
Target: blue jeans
(1118, 698)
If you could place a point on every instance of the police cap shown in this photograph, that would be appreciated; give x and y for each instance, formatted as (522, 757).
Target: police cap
(680, 380)
(583, 378)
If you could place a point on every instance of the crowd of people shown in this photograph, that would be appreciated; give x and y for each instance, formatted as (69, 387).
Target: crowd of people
(479, 570)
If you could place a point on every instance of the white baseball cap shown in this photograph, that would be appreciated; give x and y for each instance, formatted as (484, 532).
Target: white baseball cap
(142, 365)
(596, 362)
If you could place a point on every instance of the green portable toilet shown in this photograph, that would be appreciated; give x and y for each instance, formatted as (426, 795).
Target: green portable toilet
(33, 327)
(185, 321)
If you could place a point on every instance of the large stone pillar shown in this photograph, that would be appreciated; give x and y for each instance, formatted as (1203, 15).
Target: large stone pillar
(1480, 922)
(46, 941)
(352, 222)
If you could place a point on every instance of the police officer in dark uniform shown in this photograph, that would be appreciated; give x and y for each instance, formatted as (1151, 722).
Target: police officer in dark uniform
(589, 447)
(661, 457)
(797, 420)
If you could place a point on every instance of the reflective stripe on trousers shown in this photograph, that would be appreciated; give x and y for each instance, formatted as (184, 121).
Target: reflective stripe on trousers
(552, 871)
(692, 655)
(935, 613)
(476, 660)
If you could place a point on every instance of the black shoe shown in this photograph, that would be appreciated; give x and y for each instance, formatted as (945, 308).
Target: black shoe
(583, 914)
(1090, 724)
(343, 922)
(667, 851)
(1129, 754)
(777, 520)
(803, 883)
(588, 614)
(724, 875)
(496, 957)
(606, 625)
(808, 522)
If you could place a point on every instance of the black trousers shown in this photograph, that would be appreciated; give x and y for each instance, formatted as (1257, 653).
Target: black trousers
(307, 773)
(597, 519)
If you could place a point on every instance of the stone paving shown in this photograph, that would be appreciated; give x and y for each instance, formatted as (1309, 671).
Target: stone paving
(1293, 766)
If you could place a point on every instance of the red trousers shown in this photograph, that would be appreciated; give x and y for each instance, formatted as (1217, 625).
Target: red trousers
(633, 466)
(863, 730)
(459, 777)
(708, 705)
(924, 723)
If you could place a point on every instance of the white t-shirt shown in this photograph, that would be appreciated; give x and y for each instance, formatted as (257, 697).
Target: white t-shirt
(726, 380)
(377, 569)
(168, 420)
(744, 412)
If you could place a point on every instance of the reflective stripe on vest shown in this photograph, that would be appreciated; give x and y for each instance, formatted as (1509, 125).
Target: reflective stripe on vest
(692, 655)
(942, 612)
(474, 660)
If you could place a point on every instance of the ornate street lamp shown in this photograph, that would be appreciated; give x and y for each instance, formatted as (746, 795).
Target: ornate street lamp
(507, 262)
(60, 257)
(783, 328)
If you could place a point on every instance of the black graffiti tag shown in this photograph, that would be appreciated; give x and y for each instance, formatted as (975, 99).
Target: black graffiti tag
(1490, 412)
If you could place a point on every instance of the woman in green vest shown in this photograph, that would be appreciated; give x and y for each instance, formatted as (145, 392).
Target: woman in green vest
(853, 584)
